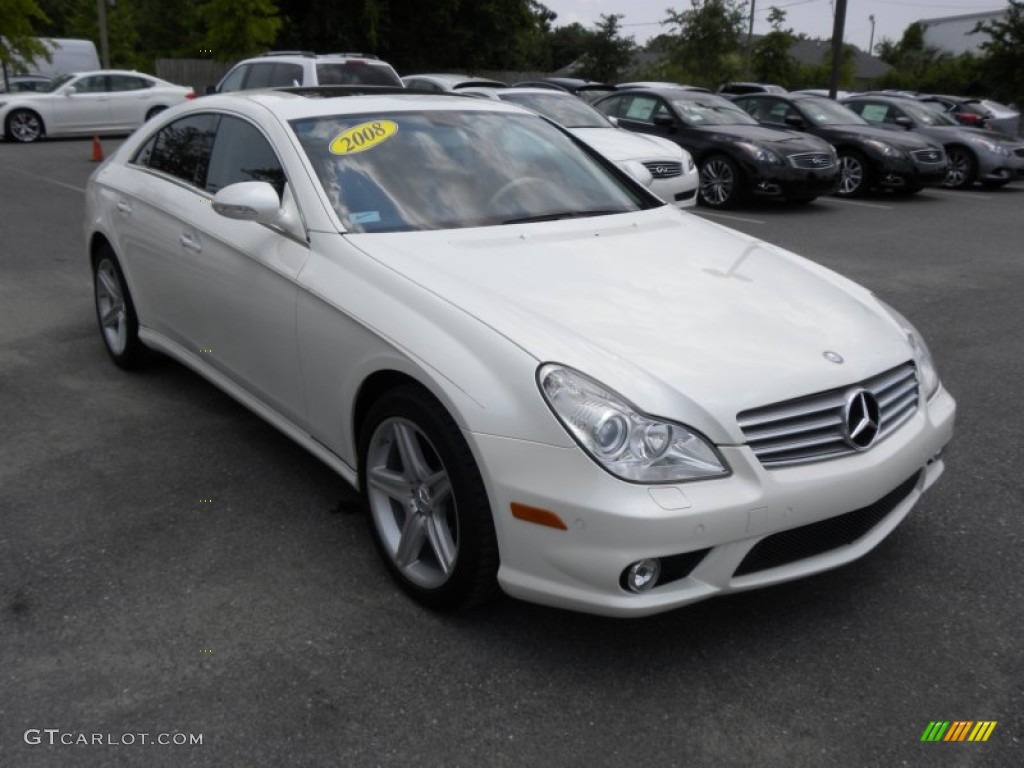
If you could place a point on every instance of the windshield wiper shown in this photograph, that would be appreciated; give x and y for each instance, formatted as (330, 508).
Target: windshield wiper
(561, 215)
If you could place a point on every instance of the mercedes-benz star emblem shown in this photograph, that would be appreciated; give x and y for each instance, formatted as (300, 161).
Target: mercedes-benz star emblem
(861, 419)
(832, 357)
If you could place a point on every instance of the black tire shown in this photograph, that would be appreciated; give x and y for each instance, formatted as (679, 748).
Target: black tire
(426, 503)
(963, 168)
(24, 125)
(855, 177)
(115, 311)
(722, 184)
(154, 112)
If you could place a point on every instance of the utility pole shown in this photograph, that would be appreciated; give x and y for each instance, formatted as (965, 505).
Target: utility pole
(101, 17)
(750, 42)
(871, 43)
(838, 27)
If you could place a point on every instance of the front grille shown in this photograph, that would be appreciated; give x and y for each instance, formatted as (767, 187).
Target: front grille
(812, 428)
(812, 160)
(664, 169)
(823, 536)
(928, 155)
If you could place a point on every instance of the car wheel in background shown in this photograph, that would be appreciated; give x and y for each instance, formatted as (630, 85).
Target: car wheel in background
(154, 112)
(854, 175)
(115, 311)
(720, 182)
(24, 125)
(427, 505)
(963, 168)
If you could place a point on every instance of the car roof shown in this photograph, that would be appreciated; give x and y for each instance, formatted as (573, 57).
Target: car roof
(304, 102)
(453, 80)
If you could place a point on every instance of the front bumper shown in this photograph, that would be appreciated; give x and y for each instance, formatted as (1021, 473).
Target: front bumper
(786, 181)
(612, 524)
(905, 172)
(680, 191)
(996, 168)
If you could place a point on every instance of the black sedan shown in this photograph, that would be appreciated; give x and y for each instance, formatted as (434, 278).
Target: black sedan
(869, 157)
(736, 156)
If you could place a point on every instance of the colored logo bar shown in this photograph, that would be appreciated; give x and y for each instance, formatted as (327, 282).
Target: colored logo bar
(958, 730)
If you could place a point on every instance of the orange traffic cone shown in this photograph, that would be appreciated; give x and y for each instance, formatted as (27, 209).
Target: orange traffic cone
(97, 149)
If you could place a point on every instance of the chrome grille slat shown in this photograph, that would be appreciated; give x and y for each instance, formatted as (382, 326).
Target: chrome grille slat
(811, 428)
(664, 169)
(812, 160)
(928, 155)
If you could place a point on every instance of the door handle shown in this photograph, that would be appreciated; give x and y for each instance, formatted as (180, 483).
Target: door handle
(123, 206)
(190, 242)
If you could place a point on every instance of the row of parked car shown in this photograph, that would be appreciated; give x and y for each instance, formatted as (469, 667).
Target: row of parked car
(683, 142)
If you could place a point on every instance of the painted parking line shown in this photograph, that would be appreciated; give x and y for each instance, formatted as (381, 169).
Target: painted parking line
(961, 193)
(731, 218)
(857, 203)
(47, 178)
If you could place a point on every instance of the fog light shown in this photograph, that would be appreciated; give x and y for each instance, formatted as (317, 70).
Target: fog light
(642, 575)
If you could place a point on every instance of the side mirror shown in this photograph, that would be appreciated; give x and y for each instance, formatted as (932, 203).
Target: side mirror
(70, 90)
(249, 201)
(905, 122)
(665, 121)
(795, 121)
(613, 120)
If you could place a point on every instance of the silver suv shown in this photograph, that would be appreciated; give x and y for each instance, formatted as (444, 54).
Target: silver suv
(289, 68)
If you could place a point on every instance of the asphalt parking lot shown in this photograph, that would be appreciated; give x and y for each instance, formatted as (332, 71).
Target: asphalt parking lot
(171, 565)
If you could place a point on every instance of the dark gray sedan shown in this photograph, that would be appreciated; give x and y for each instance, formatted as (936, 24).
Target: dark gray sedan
(992, 158)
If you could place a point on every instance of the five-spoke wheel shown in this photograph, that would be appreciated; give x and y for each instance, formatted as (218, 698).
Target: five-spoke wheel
(115, 312)
(427, 505)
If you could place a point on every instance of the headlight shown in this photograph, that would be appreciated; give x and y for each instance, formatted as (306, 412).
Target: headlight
(926, 370)
(887, 150)
(992, 146)
(625, 442)
(760, 154)
(688, 165)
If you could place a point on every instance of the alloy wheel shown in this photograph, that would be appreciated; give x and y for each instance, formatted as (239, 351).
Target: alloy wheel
(24, 125)
(411, 500)
(717, 182)
(111, 308)
(851, 175)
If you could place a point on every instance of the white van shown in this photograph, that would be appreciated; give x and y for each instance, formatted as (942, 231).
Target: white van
(66, 55)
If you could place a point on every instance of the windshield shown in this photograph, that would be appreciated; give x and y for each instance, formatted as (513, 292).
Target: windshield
(404, 171)
(711, 110)
(926, 115)
(58, 82)
(563, 109)
(827, 112)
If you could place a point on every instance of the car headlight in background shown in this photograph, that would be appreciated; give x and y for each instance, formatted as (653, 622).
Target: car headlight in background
(627, 443)
(991, 146)
(760, 154)
(926, 370)
(886, 150)
(689, 166)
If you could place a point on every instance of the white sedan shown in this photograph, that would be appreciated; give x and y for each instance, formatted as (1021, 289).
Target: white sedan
(541, 377)
(661, 165)
(101, 102)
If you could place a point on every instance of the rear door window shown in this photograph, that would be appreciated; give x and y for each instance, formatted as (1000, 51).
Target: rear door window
(181, 149)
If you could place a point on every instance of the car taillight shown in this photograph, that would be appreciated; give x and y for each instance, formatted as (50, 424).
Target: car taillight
(190, 95)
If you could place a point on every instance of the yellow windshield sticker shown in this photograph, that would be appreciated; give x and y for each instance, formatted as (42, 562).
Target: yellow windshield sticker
(362, 137)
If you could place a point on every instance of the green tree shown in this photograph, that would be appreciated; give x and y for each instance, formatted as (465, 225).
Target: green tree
(239, 28)
(771, 60)
(706, 48)
(1003, 54)
(19, 20)
(567, 44)
(82, 22)
(607, 53)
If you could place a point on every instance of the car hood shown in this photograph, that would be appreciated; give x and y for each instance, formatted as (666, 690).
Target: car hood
(683, 317)
(905, 140)
(620, 145)
(786, 142)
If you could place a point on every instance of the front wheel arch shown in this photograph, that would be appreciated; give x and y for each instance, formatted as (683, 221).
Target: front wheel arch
(10, 131)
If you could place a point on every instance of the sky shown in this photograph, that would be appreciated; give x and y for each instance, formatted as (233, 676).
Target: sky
(812, 17)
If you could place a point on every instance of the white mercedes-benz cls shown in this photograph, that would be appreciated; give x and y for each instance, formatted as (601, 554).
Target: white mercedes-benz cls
(539, 376)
